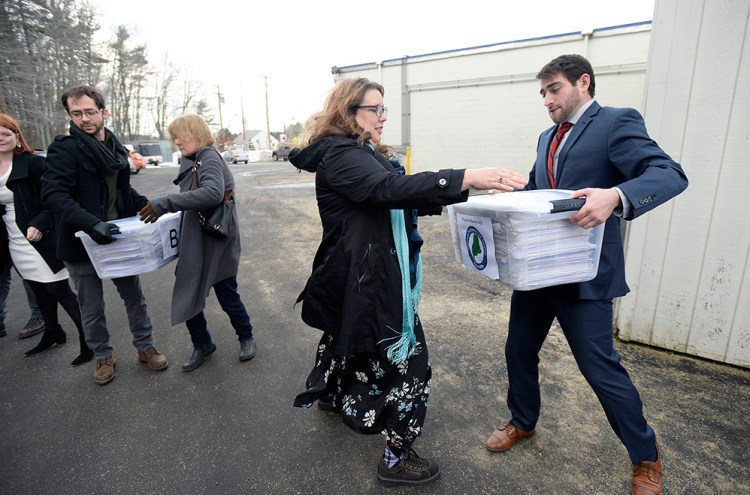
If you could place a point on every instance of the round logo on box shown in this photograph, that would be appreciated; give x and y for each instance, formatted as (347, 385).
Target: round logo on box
(476, 247)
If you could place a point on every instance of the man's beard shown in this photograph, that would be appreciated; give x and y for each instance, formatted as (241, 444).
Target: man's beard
(93, 131)
(569, 108)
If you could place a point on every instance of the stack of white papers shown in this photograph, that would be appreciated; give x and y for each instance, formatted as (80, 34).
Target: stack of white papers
(139, 247)
(514, 238)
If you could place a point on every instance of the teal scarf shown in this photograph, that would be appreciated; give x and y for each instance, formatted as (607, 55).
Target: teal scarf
(407, 343)
(404, 348)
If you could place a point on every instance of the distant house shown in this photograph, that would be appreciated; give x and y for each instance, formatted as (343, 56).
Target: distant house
(259, 139)
(280, 138)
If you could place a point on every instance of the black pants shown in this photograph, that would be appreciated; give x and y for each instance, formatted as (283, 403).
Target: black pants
(49, 295)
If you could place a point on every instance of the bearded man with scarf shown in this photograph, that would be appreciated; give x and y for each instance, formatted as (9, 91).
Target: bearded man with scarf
(86, 184)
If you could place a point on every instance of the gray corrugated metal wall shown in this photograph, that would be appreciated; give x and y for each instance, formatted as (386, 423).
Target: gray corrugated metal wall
(687, 261)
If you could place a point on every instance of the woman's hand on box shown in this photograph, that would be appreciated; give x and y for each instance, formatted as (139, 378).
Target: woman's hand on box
(147, 213)
(493, 179)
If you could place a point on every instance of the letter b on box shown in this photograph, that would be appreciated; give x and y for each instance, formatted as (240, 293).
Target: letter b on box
(170, 236)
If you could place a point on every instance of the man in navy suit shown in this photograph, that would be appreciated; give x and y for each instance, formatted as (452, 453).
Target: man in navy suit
(608, 158)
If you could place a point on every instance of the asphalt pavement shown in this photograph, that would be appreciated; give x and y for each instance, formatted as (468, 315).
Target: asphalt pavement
(230, 428)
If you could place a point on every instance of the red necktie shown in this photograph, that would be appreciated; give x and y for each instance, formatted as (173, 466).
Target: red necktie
(561, 130)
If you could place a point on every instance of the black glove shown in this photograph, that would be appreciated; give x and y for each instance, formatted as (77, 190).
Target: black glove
(102, 232)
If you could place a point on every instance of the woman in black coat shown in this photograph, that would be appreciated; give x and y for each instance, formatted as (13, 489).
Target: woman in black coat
(363, 293)
(28, 236)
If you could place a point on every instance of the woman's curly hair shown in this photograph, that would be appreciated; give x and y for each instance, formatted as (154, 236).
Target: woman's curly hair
(338, 115)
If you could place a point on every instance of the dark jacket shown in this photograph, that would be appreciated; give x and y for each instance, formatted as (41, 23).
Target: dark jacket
(25, 181)
(354, 291)
(76, 192)
(610, 147)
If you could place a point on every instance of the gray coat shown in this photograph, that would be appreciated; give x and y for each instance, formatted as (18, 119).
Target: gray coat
(203, 260)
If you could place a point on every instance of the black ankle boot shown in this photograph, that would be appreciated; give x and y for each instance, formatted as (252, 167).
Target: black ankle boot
(84, 357)
(50, 338)
(86, 354)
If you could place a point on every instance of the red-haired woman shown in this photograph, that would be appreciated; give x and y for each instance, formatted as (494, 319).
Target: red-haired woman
(30, 238)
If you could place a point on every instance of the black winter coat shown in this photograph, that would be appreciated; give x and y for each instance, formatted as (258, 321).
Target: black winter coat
(75, 191)
(25, 181)
(354, 291)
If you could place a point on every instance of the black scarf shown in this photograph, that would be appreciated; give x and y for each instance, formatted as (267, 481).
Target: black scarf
(109, 159)
(182, 174)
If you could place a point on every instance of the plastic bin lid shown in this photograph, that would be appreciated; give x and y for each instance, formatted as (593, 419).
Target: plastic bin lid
(521, 201)
(132, 226)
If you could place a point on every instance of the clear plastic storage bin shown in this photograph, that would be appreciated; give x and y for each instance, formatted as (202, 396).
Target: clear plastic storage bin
(514, 238)
(139, 248)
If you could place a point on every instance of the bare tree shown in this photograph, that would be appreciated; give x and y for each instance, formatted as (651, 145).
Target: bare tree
(47, 46)
(190, 90)
(128, 72)
(160, 104)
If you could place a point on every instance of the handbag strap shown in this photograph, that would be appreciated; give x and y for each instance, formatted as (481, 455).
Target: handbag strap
(196, 165)
(228, 195)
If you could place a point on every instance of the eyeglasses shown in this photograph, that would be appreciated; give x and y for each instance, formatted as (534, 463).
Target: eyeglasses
(77, 114)
(378, 110)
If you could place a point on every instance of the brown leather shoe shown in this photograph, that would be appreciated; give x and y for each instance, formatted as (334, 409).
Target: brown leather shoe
(505, 436)
(155, 360)
(647, 477)
(104, 370)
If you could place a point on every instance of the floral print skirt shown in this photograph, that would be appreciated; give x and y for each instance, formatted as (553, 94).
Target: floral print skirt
(372, 394)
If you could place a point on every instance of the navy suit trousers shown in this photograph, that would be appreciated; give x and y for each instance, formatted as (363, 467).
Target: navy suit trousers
(587, 325)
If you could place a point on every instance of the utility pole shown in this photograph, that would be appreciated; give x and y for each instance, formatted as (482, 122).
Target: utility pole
(221, 121)
(242, 104)
(268, 126)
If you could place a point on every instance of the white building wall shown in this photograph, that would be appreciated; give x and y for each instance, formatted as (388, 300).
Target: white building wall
(687, 262)
(481, 106)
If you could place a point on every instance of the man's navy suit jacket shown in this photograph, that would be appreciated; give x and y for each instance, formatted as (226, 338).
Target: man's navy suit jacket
(610, 147)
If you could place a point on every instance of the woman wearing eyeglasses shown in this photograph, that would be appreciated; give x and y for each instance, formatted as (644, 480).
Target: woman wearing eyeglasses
(371, 364)
(29, 235)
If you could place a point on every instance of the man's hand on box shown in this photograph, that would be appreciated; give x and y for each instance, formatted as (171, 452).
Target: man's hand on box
(102, 232)
(600, 203)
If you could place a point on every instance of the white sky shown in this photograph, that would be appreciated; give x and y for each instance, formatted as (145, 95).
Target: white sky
(234, 43)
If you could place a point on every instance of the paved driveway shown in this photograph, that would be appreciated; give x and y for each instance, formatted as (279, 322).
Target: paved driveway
(229, 427)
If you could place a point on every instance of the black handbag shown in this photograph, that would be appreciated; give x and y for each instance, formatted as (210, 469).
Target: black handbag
(216, 221)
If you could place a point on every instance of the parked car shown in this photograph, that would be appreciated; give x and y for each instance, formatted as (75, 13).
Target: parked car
(151, 152)
(282, 152)
(236, 156)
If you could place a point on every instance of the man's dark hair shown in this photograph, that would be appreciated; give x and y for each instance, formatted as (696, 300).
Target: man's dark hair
(79, 91)
(572, 67)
